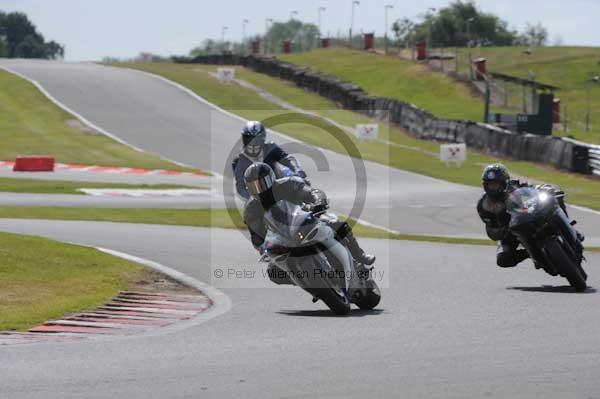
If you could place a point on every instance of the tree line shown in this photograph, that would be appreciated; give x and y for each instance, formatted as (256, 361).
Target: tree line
(19, 38)
(457, 25)
(461, 24)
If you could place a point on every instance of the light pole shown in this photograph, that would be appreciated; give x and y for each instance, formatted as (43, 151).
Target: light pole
(589, 82)
(266, 45)
(354, 3)
(223, 31)
(387, 7)
(321, 9)
(244, 23)
(523, 54)
(470, 60)
(292, 13)
(432, 10)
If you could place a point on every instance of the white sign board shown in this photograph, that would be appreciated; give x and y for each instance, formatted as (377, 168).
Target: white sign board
(456, 153)
(367, 132)
(225, 75)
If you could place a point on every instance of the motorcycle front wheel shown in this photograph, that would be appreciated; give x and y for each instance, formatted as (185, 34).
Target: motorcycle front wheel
(334, 298)
(567, 267)
(371, 298)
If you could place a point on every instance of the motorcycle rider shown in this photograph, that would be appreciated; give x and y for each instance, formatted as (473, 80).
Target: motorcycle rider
(492, 211)
(266, 190)
(257, 149)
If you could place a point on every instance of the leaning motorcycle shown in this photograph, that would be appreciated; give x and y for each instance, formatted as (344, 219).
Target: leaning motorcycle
(543, 228)
(301, 243)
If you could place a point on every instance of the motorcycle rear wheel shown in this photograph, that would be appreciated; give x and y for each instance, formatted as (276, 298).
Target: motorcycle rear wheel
(567, 267)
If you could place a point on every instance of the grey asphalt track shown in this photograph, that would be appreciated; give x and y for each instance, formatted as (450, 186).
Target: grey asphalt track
(451, 325)
(160, 118)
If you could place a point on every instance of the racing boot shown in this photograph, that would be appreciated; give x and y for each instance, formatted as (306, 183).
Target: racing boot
(357, 252)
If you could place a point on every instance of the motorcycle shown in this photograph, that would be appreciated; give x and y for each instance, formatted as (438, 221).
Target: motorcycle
(543, 228)
(282, 171)
(300, 242)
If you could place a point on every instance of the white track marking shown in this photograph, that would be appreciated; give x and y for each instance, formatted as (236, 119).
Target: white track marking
(138, 193)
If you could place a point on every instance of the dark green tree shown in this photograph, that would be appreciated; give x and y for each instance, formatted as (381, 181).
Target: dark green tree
(54, 50)
(30, 47)
(404, 30)
(451, 27)
(23, 40)
(303, 35)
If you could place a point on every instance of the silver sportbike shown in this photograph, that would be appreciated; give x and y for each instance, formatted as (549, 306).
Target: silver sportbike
(301, 242)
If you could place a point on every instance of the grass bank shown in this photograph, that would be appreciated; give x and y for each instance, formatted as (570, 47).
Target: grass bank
(41, 279)
(565, 67)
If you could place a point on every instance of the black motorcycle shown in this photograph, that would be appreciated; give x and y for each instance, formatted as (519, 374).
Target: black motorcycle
(543, 228)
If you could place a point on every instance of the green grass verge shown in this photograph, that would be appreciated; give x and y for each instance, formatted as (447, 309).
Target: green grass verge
(176, 217)
(192, 217)
(41, 279)
(410, 154)
(70, 187)
(32, 125)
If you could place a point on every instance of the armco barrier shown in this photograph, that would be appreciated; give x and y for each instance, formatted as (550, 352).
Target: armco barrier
(561, 153)
(34, 163)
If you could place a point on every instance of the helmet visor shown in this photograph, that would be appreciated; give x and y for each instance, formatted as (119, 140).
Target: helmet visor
(495, 189)
(495, 186)
(254, 146)
(259, 186)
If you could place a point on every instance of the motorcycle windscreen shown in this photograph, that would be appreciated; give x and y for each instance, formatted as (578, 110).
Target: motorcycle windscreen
(523, 205)
(290, 223)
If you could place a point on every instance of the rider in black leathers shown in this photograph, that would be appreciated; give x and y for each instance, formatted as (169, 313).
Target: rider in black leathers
(257, 149)
(266, 190)
(492, 211)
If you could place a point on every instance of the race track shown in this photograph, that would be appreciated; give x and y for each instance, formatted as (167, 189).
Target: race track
(451, 324)
(459, 329)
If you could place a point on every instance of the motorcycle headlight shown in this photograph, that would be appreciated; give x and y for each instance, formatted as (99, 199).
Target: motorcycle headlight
(543, 197)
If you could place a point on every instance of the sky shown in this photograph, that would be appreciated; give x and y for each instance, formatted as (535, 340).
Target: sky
(93, 29)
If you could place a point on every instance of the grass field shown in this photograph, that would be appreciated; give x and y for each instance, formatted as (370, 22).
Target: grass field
(398, 79)
(566, 67)
(42, 279)
(70, 187)
(407, 153)
(32, 125)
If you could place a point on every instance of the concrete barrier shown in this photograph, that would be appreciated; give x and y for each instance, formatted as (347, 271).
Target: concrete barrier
(560, 153)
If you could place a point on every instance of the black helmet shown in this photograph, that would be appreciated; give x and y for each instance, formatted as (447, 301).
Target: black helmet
(259, 178)
(495, 180)
(253, 137)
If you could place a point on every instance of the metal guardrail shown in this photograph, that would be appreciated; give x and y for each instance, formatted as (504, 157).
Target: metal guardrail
(594, 159)
(588, 157)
